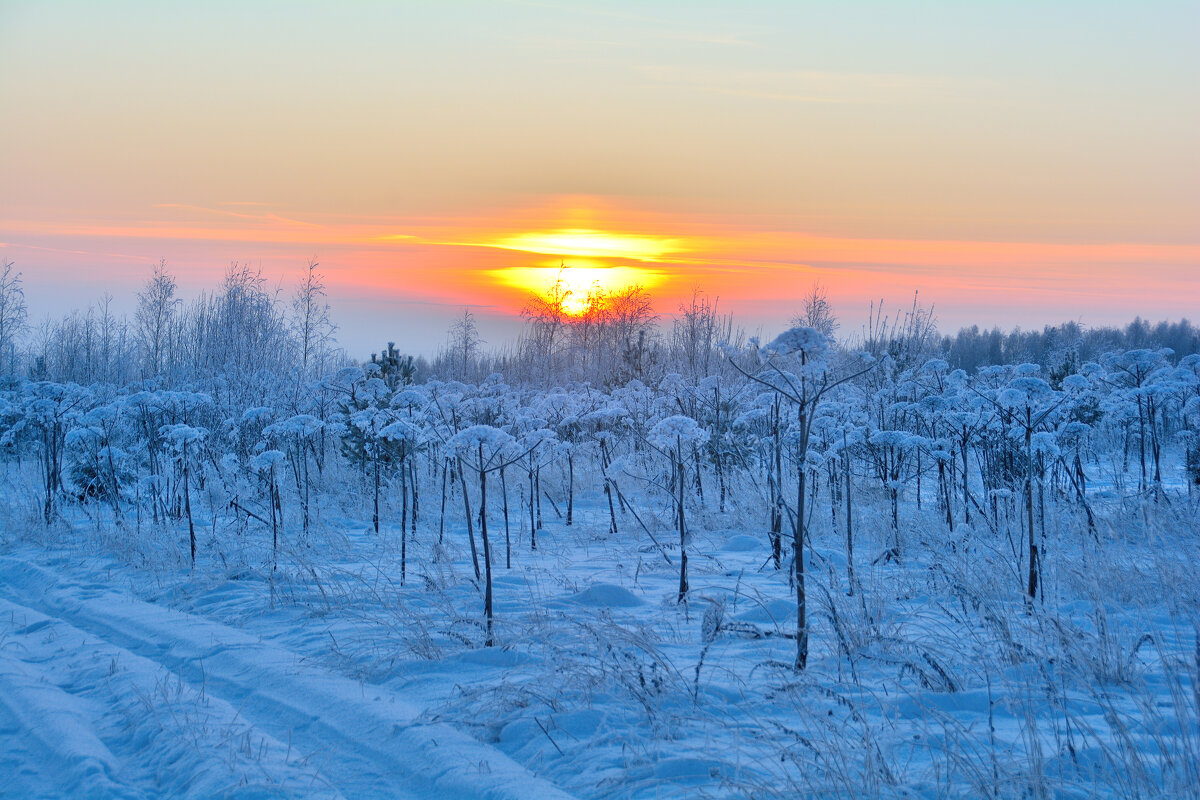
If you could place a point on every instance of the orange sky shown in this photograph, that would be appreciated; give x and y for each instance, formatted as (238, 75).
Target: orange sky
(491, 262)
(1016, 164)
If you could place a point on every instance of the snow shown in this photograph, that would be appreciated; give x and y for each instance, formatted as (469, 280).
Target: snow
(308, 652)
(606, 595)
(267, 460)
(493, 440)
(370, 741)
(67, 688)
(144, 682)
(675, 430)
(813, 344)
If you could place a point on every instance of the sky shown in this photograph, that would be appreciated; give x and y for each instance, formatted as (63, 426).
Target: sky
(1016, 162)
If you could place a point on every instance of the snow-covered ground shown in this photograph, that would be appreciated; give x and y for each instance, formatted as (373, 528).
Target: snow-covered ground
(123, 673)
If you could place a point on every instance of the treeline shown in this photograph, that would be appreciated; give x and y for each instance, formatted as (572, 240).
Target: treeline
(615, 337)
(247, 330)
(1060, 348)
(243, 333)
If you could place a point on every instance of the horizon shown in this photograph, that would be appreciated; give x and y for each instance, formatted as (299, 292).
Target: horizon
(499, 331)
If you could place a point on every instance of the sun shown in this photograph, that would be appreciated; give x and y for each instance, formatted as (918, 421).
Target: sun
(578, 283)
(588, 262)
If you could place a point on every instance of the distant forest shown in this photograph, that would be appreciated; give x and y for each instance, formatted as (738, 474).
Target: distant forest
(1056, 346)
(245, 327)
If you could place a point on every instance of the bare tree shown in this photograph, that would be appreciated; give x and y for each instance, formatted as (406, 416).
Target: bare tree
(548, 317)
(241, 330)
(631, 329)
(818, 312)
(112, 359)
(13, 316)
(156, 307)
(464, 343)
(696, 332)
(311, 318)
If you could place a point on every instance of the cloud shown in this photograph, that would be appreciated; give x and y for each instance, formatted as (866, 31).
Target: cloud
(702, 37)
(256, 217)
(810, 86)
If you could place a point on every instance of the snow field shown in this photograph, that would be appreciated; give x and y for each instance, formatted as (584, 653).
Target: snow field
(933, 680)
(222, 688)
(1018, 616)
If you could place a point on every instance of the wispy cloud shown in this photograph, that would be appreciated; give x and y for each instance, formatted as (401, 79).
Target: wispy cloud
(257, 217)
(702, 37)
(809, 86)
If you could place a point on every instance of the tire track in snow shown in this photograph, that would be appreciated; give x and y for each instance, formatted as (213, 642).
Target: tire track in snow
(54, 742)
(367, 740)
(63, 693)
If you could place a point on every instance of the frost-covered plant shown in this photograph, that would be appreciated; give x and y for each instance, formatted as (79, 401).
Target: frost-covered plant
(99, 467)
(486, 450)
(674, 437)
(796, 366)
(266, 465)
(185, 444)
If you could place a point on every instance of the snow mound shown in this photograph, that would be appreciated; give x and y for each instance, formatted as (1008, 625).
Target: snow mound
(496, 657)
(607, 595)
(775, 611)
(742, 543)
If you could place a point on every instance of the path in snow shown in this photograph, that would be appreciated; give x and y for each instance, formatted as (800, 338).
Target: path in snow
(104, 695)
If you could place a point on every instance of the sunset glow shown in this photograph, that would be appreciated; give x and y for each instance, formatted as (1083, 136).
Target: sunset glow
(591, 244)
(1003, 161)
